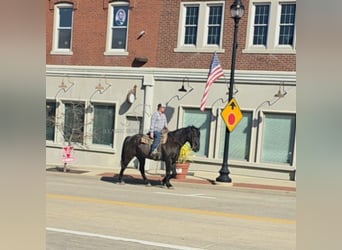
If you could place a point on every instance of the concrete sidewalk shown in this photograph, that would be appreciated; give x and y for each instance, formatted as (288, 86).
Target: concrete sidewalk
(193, 177)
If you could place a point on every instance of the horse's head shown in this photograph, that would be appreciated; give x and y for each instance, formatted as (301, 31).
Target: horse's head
(194, 138)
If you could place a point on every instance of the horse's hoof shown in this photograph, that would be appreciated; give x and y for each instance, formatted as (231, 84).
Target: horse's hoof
(122, 183)
(148, 184)
(170, 187)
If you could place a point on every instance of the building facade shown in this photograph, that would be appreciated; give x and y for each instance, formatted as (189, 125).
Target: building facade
(109, 63)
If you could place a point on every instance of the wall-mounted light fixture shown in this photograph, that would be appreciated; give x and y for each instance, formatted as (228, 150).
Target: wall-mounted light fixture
(65, 87)
(132, 95)
(100, 88)
(281, 91)
(141, 34)
(183, 89)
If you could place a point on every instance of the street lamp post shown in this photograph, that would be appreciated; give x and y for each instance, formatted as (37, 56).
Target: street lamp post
(236, 11)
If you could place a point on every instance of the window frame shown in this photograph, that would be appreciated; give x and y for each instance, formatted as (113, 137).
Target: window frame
(272, 43)
(55, 33)
(87, 144)
(251, 139)
(109, 38)
(261, 133)
(267, 26)
(279, 26)
(211, 131)
(91, 142)
(84, 127)
(203, 28)
(55, 120)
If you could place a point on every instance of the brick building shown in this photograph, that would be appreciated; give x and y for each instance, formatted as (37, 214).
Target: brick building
(99, 52)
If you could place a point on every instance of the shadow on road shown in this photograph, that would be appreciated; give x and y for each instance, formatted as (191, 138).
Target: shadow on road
(131, 179)
(67, 170)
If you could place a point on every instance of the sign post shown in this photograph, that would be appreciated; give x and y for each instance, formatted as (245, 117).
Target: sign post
(237, 10)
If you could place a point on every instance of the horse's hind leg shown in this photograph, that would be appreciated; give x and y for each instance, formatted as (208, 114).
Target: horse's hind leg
(142, 170)
(123, 167)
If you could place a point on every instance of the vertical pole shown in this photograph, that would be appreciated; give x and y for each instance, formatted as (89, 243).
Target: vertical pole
(224, 171)
(148, 108)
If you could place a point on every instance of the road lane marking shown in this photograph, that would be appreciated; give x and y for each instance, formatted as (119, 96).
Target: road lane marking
(188, 195)
(168, 208)
(108, 237)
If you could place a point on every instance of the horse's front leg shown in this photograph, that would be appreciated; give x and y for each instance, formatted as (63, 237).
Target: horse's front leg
(142, 171)
(166, 179)
(173, 170)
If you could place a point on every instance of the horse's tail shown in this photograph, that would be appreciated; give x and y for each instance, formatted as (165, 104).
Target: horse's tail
(124, 150)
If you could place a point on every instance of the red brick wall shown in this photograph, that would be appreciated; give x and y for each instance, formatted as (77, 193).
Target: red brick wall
(159, 19)
(89, 34)
(169, 35)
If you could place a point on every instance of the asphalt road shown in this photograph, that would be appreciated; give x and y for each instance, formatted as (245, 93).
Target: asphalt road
(87, 212)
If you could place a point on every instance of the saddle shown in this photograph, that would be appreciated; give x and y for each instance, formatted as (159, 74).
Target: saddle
(145, 139)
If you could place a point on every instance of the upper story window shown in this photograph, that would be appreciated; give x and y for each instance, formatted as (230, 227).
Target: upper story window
(287, 24)
(215, 25)
(271, 27)
(191, 25)
(117, 29)
(262, 13)
(200, 27)
(62, 31)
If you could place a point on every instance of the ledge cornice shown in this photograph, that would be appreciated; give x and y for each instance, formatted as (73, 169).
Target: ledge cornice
(165, 74)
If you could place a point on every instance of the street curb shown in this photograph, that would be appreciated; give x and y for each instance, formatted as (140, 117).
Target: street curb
(262, 186)
(204, 181)
(157, 177)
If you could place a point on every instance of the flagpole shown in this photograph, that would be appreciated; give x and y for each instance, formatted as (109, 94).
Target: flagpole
(237, 10)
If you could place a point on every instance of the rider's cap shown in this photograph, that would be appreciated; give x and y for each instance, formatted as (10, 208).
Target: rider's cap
(161, 105)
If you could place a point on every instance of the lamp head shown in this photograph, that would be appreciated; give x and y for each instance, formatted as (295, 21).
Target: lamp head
(182, 89)
(237, 9)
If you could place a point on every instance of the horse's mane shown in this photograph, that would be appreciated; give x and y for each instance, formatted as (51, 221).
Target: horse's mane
(180, 135)
(179, 131)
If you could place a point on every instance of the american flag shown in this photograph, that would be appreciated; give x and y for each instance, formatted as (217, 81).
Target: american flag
(215, 73)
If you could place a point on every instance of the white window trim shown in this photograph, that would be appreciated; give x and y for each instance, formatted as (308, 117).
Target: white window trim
(55, 130)
(55, 50)
(273, 30)
(90, 117)
(87, 144)
(212, 128)
(202, 32)
(252, 139)
(109, 51)
(85, 125)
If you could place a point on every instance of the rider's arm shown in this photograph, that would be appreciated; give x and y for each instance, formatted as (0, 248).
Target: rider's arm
(153, 122)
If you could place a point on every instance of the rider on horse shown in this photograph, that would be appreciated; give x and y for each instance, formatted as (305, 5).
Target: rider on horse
(158, 123)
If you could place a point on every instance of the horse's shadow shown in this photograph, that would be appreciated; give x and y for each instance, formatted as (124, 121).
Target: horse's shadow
(132, 180)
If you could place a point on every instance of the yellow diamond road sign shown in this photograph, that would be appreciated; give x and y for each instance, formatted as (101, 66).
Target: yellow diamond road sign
(232, 114)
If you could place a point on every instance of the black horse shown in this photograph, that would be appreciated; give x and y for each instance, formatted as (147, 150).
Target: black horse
(132, 146)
